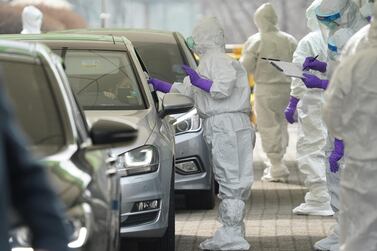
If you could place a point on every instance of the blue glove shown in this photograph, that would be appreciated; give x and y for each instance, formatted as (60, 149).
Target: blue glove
(312, 81)
(336, 154)
(160, 85)
(314, 64)
(290, 111)
(197, 80)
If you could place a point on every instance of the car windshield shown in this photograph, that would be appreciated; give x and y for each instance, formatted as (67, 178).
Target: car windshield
(162, 60)
(103, 80)
(33, 102)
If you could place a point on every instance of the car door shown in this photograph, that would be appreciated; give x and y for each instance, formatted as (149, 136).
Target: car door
(104, 165)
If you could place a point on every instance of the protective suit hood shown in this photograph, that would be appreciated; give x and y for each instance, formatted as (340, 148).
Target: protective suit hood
(265, 18)
(347, 10)
(208, 35)
(312, 21)
(31, 20)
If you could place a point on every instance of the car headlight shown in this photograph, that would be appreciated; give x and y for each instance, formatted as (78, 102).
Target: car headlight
(139, 161)
(79, 226)
(188, 122)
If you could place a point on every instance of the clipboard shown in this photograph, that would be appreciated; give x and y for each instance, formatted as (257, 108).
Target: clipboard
(289, 69)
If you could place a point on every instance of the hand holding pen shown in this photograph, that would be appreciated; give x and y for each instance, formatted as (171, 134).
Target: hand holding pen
(311, 63)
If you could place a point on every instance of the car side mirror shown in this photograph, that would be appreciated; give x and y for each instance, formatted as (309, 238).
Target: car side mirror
(174, 103)
(111, 132)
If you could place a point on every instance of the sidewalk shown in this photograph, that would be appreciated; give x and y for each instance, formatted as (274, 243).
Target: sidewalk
(270, 224)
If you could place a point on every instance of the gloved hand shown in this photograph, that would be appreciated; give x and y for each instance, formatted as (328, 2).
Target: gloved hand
(160, 85)
(290, 111)
(312, 81)
(314, 64)
(197, 80)
(336, 154)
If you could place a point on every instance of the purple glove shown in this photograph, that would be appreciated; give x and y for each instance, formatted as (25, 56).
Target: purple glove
(314, 64)
(336, 154)
(290, 111)
(160, 85)
(197, 80)
(312, 81)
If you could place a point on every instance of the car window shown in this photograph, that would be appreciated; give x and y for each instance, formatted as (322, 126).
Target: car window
(103, 80)
(162, 60)
(33, 101)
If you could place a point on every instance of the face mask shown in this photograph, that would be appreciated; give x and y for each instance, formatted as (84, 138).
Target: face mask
(190, 43)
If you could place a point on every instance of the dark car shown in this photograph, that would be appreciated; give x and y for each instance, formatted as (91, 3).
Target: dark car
(77, 159)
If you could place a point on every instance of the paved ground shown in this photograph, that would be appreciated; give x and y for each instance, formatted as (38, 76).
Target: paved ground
(270, 224)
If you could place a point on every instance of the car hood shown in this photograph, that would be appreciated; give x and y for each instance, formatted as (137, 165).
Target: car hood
(143, 120)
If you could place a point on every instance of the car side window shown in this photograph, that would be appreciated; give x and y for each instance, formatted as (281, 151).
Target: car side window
(190, 57)
(79, 117)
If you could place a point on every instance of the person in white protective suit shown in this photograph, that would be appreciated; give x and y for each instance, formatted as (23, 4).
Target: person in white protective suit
(271, 87)
(221, 93)
(32, 19)
(313, 143)
(350, 113)
(339, 35)
(360, 38)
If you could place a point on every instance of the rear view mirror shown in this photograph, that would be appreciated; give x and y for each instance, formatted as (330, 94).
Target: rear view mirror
(174, 103)
(109, 132)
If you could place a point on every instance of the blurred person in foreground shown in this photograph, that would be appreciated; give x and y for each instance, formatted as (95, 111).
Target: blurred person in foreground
(24, 187)
(350, 113)
(32, 19)
(271, 87)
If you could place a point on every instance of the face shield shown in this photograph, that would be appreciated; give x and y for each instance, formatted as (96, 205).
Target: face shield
(330, 21)
(191, 43)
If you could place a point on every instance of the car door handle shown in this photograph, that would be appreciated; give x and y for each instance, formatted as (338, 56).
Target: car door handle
(111, 171)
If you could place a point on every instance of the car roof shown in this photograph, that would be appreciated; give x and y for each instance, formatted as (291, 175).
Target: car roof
(79, 41)
(23, 49)
(134, 35)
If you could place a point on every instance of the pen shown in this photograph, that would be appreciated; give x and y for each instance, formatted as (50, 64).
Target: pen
(271, 59)
(312, 61)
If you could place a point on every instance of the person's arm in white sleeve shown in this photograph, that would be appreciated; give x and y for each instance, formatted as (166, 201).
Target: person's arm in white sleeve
(224, 77)
(249, 57)
(303, 50)
(335, 98)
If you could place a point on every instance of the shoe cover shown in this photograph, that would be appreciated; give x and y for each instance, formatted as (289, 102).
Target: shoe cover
(281, 176)
(327, 243)
(231, 236)
(314, 209)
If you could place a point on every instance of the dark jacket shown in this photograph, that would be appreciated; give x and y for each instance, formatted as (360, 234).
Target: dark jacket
(24, 185)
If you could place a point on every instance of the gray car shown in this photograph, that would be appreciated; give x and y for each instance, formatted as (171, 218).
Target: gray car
(77, 159)
(163, 54)
(109, 82)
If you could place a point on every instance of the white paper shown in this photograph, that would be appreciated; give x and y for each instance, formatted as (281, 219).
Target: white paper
(289, 69)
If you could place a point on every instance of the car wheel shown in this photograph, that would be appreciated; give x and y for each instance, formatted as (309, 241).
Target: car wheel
(167, 241)
(202, 199)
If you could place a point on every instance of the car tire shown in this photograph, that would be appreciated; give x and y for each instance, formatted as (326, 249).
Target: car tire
(167, 241)
(202, 199)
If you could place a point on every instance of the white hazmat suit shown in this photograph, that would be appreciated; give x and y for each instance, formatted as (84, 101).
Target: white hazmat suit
(227, 130)
(350, 112)
(32, 19)
(271, 87)
(313, 143)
